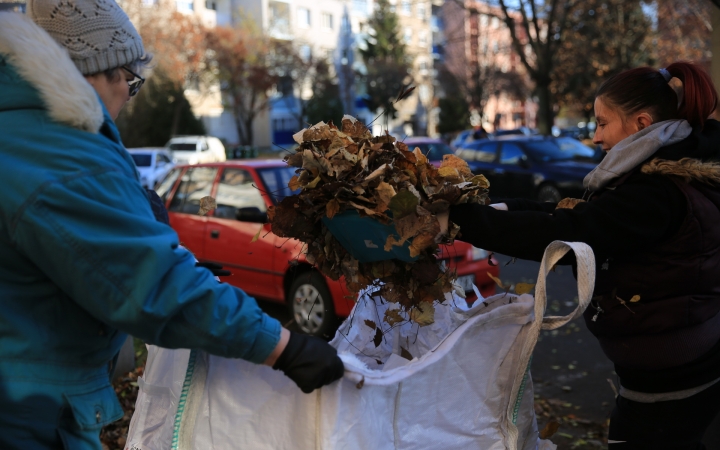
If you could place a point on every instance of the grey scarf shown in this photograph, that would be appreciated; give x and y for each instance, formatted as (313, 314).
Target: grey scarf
(634, 149)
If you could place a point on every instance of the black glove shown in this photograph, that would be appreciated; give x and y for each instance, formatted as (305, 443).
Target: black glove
(216, 269)
(310, 362)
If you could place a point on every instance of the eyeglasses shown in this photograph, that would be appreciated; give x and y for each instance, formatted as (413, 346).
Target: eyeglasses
(136, 83)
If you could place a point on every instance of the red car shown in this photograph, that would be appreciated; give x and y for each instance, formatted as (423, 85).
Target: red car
(274, 268)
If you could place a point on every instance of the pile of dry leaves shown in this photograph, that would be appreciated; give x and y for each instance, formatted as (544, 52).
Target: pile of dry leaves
(348, 169)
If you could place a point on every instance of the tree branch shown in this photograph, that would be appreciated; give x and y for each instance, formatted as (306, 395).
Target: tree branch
(510, 22)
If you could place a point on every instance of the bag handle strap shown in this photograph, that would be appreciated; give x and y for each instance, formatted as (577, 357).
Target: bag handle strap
(586, 283)
(585, 278)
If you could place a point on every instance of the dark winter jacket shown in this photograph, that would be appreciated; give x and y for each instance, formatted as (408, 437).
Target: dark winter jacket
(655, 235)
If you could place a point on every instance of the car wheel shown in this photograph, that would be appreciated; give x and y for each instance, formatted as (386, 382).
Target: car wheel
(549, 193)
(311, 305)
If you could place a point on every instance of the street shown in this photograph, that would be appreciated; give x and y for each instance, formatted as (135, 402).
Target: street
(573, 380)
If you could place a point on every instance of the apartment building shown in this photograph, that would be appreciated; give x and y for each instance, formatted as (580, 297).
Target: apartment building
(478, 50)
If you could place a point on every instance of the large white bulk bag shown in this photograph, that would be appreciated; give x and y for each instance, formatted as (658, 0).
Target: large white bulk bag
(467, 386)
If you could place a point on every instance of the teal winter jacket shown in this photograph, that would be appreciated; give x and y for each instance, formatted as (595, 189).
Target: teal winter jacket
(82, 259)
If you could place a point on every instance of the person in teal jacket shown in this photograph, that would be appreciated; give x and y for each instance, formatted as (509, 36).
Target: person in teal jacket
(82, 259)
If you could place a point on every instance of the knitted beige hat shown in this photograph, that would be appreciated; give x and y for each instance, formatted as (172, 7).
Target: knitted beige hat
(97, 34)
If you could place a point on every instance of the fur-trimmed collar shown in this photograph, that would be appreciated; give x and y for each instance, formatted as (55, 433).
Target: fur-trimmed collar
(43, 63)
(688, 169)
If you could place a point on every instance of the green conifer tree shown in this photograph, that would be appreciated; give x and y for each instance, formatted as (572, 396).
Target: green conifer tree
(385, 59)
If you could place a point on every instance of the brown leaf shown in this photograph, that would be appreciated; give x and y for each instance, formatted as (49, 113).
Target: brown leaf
(549, 430)
(371, 324)
(392, 316)
(332, 208)
(376, 173)
(569, 203)
(384, 192)
(377, 340)
(391, 241)
(480, 181)
(635, 298)
(405, 354)
(457, 163)
(207, 204)
(422, 242)
(294, 184)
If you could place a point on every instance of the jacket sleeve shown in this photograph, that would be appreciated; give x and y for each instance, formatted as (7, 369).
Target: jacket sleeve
(633, 217)
(95, 237)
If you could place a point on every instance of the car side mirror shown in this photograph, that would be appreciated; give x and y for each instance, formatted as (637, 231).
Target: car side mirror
(251, 214)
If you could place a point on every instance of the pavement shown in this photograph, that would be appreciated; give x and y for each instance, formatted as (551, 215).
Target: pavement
(574, 382)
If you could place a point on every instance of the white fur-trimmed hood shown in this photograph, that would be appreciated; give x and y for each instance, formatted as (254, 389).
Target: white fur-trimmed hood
(43, 63)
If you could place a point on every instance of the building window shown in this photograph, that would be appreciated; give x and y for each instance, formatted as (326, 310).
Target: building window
(420, 9)
(209, 4)
(483, 20)
(279, 16)
(305, 53)
(406, 7)
(327, 21)
(495, 22)
(423, 39)
(303, 17)
(407, 37)
(184, 5)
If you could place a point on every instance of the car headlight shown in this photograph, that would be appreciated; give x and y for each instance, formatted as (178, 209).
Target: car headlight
(478, 254)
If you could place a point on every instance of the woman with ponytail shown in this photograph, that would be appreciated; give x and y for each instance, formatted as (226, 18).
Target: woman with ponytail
(651, 214)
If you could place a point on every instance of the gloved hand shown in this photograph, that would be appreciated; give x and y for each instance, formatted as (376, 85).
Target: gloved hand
(310, 362)
(216, 269)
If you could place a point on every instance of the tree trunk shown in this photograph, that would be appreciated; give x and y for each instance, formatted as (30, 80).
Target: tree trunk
(249, 130)
(545, 114)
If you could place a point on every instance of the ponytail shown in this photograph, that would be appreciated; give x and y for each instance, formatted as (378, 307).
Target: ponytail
(699, 95)
(647, 89)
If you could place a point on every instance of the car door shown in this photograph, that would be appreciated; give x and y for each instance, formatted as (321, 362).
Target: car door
(516, 179)
(229, 235)
(162, 167)
(184, 207)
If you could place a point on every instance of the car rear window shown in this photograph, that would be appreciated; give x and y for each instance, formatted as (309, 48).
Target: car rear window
(183, 146)
(276, 181)
(142, 159)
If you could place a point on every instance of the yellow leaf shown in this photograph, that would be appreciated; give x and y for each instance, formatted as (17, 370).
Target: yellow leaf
(448, 172)
(524, 288)
(481, 181)
(496, 280)
(421, 159)
(313, 183)
(332, 208)
(423, 314)
(635, 298)
(257, 235)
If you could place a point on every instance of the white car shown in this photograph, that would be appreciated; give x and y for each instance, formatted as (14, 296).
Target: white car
(152, 163)
(196, 149)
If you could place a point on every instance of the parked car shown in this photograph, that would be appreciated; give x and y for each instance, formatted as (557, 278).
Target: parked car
(275, 268)
(462, 138)
(196, 149)
(152, 163)
(434, 149)
(535, 167)
(522, 131)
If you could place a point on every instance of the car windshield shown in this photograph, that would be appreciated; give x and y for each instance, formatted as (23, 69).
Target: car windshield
(276, 182)
(562, 149)
(434, 151)
(142, 159)
(183, 146)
